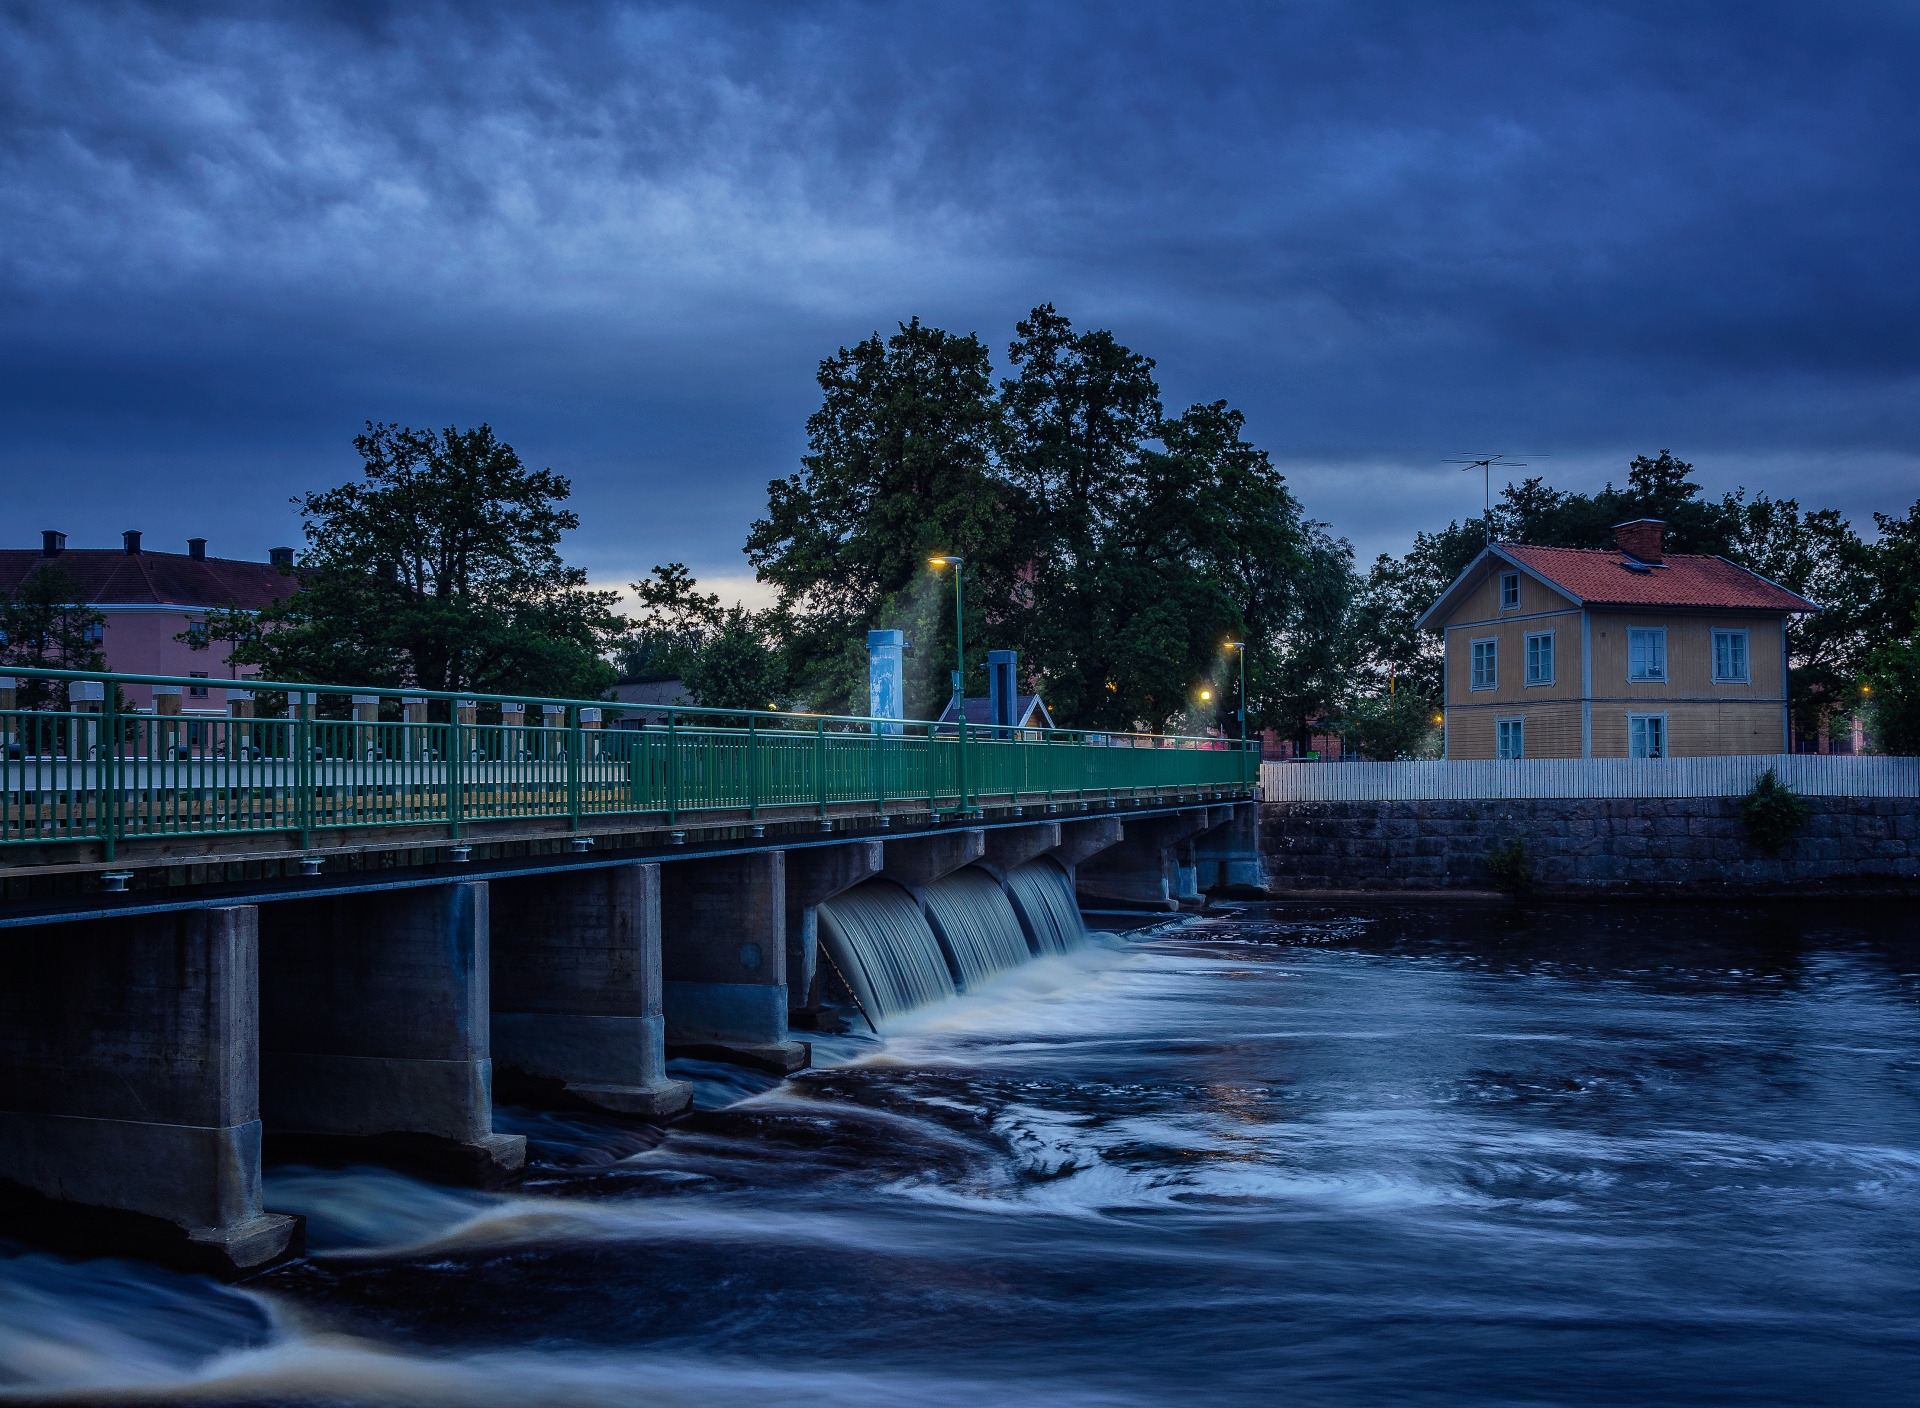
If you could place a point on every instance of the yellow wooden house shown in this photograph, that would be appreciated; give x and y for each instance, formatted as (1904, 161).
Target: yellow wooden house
(1621, 653)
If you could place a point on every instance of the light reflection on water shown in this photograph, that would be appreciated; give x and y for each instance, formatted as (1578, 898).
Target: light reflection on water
(1355, 1154)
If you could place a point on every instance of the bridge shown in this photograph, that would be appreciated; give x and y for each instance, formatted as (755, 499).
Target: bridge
(337, 917)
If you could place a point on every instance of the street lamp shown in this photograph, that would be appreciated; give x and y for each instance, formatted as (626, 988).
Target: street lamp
(960, 659)
(1241, 646)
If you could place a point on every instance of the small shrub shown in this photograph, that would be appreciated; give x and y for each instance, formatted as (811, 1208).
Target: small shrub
(1773, 811)
(1509, 866)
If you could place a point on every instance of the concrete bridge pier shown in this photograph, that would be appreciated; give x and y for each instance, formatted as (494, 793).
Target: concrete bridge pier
(1227, 855)
(723, 945)
(577, 1006)
(374, 1021)
(1081, 839)
(917, 861)
(1141, 870)
(815, 874)
(128, 1087)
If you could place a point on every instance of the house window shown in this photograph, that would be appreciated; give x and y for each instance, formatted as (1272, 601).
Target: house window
(1509, 591)
(1540, 658)
(1509, 737)
(1730, 657)
(1646, 735)
(1486, 663)
(198, 691)
(1647, 655)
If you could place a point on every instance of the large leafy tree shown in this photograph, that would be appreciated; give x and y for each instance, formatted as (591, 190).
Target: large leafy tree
(45, 624)
(1890, 617)
(899, 466)
(440, 569)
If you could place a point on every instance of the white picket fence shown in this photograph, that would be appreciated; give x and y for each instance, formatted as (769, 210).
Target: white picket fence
(1810, 774)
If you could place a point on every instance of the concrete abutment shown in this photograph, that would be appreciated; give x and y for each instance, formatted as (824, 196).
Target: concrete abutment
(374, 1022)
(128, 1076)
(723, 945)
(577, 1002)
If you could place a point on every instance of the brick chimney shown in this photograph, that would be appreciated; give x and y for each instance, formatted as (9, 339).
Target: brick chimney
(1640, 539)
(52, 544)
(130, 542)
(197, 549)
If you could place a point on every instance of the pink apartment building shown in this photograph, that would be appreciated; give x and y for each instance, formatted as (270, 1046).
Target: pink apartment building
(148, 598)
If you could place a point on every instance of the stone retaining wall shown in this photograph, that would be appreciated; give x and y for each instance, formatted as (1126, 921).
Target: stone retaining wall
(1585, 845)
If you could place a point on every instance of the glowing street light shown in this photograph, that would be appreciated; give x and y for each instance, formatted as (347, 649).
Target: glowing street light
(959, 659)
(1241, 646)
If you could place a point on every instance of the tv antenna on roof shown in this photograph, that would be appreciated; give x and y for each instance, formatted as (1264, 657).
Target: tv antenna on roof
(1485, 464)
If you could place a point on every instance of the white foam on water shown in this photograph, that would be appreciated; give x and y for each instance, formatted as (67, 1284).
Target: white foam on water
(315, 1366)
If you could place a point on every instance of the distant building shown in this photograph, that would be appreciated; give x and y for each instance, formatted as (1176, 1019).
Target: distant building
(657, 690)
(1003, 707)
(148, 598)
(1628, 653)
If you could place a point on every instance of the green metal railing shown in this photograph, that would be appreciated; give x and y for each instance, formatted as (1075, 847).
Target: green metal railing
(312, 757)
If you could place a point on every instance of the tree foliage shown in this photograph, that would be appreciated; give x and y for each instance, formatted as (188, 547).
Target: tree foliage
(1117, 548)
(1389, 727)
(46, 625)
(899, 465)
(439, 569)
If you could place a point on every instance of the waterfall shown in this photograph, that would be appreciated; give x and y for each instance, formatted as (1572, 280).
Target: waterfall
(1043, 893)
(896, 959)
(983, 936)
(882, 946)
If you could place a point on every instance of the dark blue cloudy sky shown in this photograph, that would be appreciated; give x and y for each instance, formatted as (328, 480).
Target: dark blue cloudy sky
(625, 234)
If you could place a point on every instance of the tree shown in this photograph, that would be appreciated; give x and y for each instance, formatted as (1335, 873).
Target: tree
(738, 667)
(1386, 727)
(440, 569)
(1890, 617)
(46, 625)
(679, 622)
(899, 466)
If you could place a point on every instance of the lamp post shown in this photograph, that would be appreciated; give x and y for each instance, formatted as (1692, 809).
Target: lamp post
(1241, 646)
(959, 659)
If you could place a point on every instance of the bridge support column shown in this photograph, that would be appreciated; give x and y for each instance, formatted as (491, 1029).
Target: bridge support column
(577, 1016)
(723, 947)
(1080, 839)
(128, 1080)
(918, 861)
(1140, 870)
(816, 874)
(1227, 857)
(1009, 847)
(374, 1022)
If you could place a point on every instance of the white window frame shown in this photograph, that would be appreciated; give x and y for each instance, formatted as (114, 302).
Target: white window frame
(1552, 657)
(1518, 722)
(1505, 578)
(1660, 632)
(1473, 661)
(1666, 738)
(1746, 655)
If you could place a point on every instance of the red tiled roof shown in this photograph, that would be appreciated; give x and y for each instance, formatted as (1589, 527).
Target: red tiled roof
(1601, 578)
(110, 577)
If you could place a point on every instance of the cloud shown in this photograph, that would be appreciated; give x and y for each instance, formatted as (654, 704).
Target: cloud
(624, 234)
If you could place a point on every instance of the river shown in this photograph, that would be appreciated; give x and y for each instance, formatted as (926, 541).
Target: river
(1363, 1154)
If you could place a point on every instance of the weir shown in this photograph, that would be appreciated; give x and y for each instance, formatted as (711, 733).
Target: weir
(467, 917)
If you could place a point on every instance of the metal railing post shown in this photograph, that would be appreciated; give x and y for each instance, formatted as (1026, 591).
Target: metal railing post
(753, 769)
(107, 773)
(573, 767)
(820, 765)
(673, 771)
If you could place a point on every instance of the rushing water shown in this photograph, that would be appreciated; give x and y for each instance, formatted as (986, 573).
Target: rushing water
(1458, 1154)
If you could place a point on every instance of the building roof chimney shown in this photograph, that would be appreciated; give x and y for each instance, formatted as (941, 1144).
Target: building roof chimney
(52, 544)
(1641, 539)
(281, 558)
(130, 542)
(197, 549)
